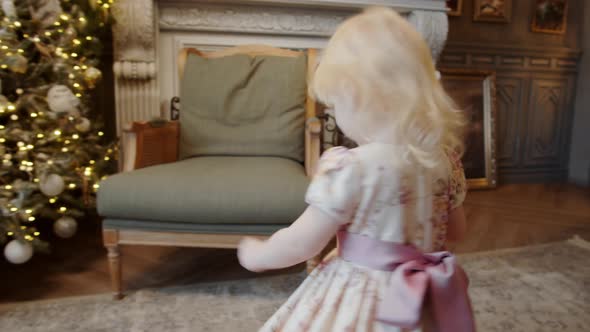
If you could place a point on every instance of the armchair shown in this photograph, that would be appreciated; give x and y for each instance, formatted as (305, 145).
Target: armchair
(237, 162)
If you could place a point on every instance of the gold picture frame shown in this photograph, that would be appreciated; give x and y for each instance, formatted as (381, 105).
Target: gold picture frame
(497, 11)
(550, 16)
(474, 91)
(454, 7)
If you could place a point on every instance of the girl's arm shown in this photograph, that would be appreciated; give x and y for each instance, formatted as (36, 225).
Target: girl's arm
(305, 238)
(457, 225)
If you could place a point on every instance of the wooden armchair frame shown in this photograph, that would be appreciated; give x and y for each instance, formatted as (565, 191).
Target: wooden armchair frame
(152, 143)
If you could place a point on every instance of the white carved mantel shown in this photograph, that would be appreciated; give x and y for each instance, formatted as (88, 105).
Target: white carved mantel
(149, 33)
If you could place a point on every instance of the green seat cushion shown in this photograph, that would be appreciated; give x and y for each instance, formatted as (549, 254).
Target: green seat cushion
(185, 227)
(208, 190)
(242, 105)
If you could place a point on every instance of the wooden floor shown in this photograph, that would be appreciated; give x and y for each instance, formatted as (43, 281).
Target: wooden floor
(510, 216)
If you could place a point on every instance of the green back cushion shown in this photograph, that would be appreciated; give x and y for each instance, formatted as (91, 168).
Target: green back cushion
(242, 105)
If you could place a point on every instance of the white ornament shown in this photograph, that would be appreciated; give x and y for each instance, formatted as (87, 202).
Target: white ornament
(83, 126)
(8, 8)
(52, 185)
(18, 252)
(65, 227)
(47, 12)
(42, 156)
(61, 99)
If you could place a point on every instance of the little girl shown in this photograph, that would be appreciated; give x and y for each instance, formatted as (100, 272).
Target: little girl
(392, 202)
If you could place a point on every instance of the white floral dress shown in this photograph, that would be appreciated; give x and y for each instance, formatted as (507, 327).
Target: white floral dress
(369, 192)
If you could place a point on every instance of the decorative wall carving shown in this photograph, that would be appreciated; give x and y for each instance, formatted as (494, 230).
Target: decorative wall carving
(270, 20)
(533, 103)
(134, 33)
(545, 135)
(509, 99)
(500, 57)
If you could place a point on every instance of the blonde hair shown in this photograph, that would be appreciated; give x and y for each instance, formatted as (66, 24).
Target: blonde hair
(379, 62)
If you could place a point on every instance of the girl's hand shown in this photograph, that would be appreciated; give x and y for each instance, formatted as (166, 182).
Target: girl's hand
(249, 254)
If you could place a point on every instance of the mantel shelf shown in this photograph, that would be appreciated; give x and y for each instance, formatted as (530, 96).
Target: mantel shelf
(400, 5)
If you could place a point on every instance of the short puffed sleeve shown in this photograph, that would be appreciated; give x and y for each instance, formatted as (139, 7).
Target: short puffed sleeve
(457, 182)
(336, 187)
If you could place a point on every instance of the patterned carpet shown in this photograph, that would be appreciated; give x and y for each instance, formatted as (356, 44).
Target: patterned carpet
(540, 288)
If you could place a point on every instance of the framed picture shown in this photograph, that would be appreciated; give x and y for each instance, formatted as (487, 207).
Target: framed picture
(550, 16)
(492, 10)
(475, 93)
(454, 7)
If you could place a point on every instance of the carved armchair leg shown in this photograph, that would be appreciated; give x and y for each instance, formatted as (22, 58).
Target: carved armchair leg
(110, 238)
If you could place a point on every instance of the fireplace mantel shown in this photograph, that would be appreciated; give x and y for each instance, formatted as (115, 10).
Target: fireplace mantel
(149, 33)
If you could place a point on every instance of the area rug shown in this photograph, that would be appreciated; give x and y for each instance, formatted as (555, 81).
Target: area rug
(539, 288)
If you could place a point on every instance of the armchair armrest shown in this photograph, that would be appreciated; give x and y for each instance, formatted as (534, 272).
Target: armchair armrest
(313, 129)
(150, 143)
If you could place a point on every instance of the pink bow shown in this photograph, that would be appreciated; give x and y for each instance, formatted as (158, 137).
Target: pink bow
(416, 278)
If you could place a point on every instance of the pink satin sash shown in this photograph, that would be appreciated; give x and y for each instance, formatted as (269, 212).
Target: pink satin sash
(417, 277)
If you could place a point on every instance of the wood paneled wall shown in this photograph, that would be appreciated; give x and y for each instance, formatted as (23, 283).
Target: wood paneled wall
(536, 76)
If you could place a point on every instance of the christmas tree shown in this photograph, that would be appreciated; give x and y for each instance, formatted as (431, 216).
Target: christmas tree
(52, 151)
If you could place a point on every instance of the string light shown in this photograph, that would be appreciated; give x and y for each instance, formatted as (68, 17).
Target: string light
(57, 132)
(63, 209)
(7, 187)
(36, 233)
(31, 218)
(10, 233)
(52, 200)
(72, 185)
